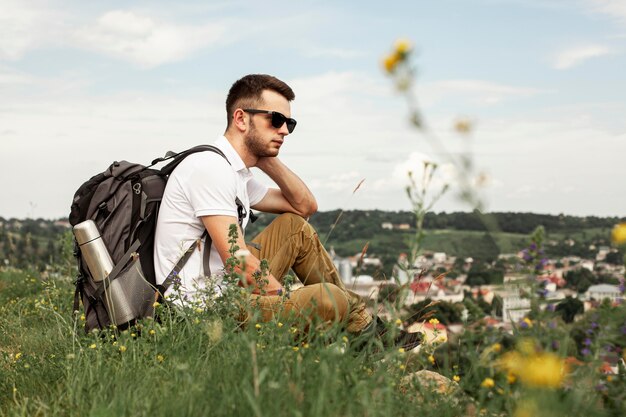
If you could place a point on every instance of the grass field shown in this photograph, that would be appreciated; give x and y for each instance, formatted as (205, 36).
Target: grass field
(197, 363)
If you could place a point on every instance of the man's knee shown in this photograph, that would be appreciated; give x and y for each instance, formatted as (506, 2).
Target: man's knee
(295, 223)
(332, 301)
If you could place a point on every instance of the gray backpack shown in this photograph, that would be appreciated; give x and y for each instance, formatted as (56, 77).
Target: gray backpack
(124, 202)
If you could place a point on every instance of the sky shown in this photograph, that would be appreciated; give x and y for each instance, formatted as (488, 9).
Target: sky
(543, 83)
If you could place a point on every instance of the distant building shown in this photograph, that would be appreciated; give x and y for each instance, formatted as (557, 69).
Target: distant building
(587, 264)
(63, 223)
(601, 291)
(439, 257)
(387, 226)
(514, 306)
(365, 286)
(602, 252)
(344, 267)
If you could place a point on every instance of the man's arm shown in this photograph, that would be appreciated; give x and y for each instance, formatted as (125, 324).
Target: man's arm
(292, 195)
(217, 227)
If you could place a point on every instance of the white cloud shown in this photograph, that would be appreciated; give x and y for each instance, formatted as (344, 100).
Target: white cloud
(478, 91)
(25, 26)
(613, 8)
(10, 77)
(342, 182)
(145, 41)
(322, 52)
(577, 55)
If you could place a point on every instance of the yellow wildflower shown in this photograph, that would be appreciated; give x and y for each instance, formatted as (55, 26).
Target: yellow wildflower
(401, 350)
(122, 348)
(390, 62)
(258, 326)
(456, 378)
(295, 348)
(543, 370)
(280, 324)
(401, 366)
(488, 383)
(463, 126)
(433, 321)
(160, 358)
(199, 310)
(151, 332)
(511, 378)
(156, 304)
(92, 346)
(403, 46)
(431, 359)
(18, 355)
(344, 339)
(618, 234)
(497, 347)
(535, 370)
(82, 317)
(305, 346)
(398, 322)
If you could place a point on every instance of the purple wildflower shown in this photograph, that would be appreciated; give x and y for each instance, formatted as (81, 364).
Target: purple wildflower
(594, 325)
(586, 351)
(551, 307)
(523, 325)
(587, 342)
(555, 345)
(533, 246)
(552, 324)
(600, 387)
(589, 331)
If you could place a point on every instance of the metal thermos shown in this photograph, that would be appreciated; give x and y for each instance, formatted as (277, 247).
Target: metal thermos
(100, 265)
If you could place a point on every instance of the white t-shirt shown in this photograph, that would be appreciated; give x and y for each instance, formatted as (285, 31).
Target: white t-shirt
(203, 184)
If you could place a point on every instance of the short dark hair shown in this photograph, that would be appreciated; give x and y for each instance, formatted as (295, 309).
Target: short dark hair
(246, 92)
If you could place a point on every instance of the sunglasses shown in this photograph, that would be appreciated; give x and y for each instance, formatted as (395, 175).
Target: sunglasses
(278, 119)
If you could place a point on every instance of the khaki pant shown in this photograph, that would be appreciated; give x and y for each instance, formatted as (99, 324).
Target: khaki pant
(291, 242)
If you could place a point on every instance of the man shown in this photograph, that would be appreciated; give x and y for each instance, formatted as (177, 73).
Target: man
(207, 192)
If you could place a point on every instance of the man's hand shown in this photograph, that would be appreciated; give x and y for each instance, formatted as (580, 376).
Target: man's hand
(292, 195)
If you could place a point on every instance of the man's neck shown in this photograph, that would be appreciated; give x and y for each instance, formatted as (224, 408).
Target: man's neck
(238, 143)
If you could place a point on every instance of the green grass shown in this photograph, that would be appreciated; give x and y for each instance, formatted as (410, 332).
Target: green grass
(197, 363)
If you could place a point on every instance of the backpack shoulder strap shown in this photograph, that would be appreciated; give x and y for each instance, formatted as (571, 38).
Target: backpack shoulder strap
(177, 158)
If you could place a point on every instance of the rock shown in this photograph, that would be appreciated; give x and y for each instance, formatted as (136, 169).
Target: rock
(428, 387)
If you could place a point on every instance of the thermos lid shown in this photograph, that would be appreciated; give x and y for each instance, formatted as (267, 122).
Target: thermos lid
(86, 232)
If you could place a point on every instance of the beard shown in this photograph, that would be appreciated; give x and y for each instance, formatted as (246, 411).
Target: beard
(257, 145)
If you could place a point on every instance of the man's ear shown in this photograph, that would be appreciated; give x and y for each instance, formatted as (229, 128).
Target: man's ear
(240, 120)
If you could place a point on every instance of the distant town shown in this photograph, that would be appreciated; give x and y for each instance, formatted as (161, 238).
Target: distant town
(461, 268)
